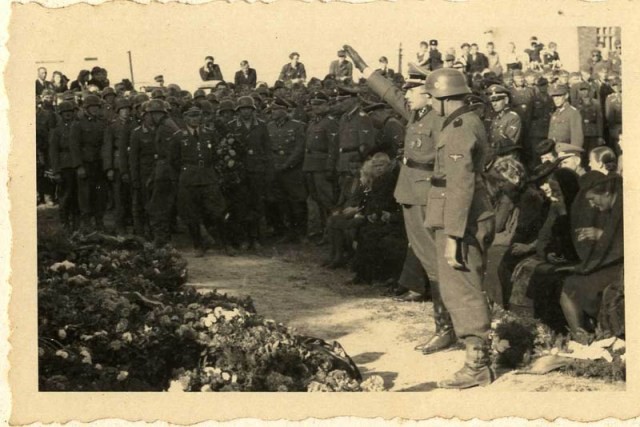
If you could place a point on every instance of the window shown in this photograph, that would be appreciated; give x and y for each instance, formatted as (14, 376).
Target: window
(605, 37)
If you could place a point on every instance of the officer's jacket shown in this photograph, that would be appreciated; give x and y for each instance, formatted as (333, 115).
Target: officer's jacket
(87, 137)
(142, 152)
(356, 138)
(591, 117)
(321, 145)
(613, 109)
(505, 129)
(257, 144)
(542, 109)
(522, 103)
(193, 157)
(422, 132)
(287, 143)
(114, 149)
(566, 126)
(458, 199)
(60, 147)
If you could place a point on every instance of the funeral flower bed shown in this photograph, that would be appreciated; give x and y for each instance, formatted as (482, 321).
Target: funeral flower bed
(114, 314)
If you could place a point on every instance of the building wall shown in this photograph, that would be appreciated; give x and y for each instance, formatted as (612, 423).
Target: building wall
(602, 38)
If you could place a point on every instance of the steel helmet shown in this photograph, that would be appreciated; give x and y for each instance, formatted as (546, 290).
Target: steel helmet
(156, 106)
(157, 94)
(122, 103)
(446, 82)
(226, 105)
(91, 100)
(205, 106)
(140, 99)
(245, 102)
(108, 91)
(199, 93)
(66, 106)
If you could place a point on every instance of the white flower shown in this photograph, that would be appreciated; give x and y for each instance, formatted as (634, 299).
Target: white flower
(62, 354)
(226, 376)
(86, 356)
(98, 367)
(206, 387)
(62, 334)
(123, 375)
(127, 337)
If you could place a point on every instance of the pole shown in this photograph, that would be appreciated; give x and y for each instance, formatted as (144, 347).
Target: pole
(131, 69)
(400, 59)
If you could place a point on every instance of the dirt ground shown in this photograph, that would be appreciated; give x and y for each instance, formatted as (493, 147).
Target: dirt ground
(288, 285)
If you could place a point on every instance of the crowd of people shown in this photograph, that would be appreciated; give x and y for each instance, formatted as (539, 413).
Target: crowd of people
(411, 180)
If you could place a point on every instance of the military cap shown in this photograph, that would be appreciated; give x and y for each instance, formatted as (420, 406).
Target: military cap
(157, 94)
(318, 97)
(159, 78)
(122, 103)
(497, 92)
(91, 100)
(108, 91)
(66, 106)
(245, 102)
(342, 53)
(199, 93)
(226, 105)
(68, 96)
(174, 86)
(211, 97)
(475, 100)
(565, 148)
(433, 42)
(280, 103)
(314, 81)
(545, 146)
(417, 76)
(558, 90)
(263, 91)
(156, 106)
(542, 171)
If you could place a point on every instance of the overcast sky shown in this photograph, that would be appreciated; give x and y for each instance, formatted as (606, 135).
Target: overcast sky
(173, 39)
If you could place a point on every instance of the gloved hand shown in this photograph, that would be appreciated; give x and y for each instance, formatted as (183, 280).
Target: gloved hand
(355, 57)
(82, 173)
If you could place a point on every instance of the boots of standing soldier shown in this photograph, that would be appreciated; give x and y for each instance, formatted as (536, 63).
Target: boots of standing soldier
(218, 231)
(332, 241)
(196, 238)
(477, 366)
(339, 260)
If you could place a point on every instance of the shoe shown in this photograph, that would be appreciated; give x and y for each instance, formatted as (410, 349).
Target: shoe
(468, 377)
(410, 297)
(438, 342)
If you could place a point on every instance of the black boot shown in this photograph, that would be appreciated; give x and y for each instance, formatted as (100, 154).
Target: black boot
(477, 367)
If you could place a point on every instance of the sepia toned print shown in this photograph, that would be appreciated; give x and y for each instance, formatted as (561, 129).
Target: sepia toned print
(418, 211)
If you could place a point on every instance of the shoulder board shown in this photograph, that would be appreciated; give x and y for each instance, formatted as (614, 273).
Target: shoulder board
(457, 122)
(513, 112)
(297, 121)
(571, 107)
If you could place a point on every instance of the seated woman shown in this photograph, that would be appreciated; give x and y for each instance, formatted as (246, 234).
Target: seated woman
(599, 242)
(381, 239)
(535, 281)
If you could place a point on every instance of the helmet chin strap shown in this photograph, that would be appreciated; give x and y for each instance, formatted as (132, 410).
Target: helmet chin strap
(441, 112)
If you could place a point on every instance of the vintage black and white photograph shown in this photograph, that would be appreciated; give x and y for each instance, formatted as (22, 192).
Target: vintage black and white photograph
(337, 203)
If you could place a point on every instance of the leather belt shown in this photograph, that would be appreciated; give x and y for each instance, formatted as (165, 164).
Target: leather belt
(438, 182)
(428, 166)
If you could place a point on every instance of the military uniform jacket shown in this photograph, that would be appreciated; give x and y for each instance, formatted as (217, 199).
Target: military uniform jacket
(458, 199)
(60, 147)
(193, 156)
(142, 153)
(287, 144)
(505, 129)
(613, 109)
(566, 126)
(356, 138)
(541, 116)
(114, 155)
(522, 103)
(256, 141)
(87, 137)
(591, 117)
(321, 145)
(421, 136)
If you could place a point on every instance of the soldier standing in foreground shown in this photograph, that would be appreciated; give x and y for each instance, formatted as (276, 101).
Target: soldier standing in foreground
(414, 181)
(460, 212)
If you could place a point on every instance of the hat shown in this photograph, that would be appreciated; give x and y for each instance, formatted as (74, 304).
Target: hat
(159, 78)
(565, 148)
(66, 106)
(507, 147)
(342, 53)
(279, 84)
(417, 76)
(193, 111)
(226, 105)
(474, 100)
(542, 82)
(318, 97)
(199, 93)
(495, 92)
(292, 54)
(157, 94)
(122, 103)
(245, 102)
(558, 90)
(543, 170)
(280, 103)
(545, 146)
(433, 42)
(108, 91)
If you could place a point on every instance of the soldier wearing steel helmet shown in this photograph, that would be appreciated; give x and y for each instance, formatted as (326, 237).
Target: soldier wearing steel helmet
(414, 181)
(64, 172)
(115, 160)
(86, 139)
(109, 104)
(460, 213)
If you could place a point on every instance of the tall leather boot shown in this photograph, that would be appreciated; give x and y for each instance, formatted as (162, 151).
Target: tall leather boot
(477, 367)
